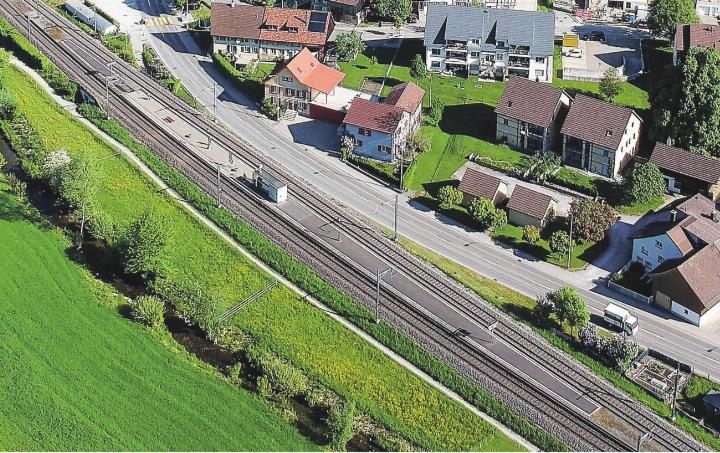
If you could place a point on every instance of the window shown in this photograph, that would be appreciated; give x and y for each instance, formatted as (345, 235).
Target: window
(509, 104)
(286, 79)
(658, 245)
(643, 250)
(359, 143)
(606, 153)
(501, 43)
(540, 73)
(292, 29)
(660, 259)
(436, 51)
(435, 64)
(505, 121)
(475, 41)
(273, 89)
(475, 54)
(608, 133)
(365, 132)
(383, 149)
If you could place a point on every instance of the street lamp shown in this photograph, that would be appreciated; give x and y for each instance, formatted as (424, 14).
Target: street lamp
(570, 243)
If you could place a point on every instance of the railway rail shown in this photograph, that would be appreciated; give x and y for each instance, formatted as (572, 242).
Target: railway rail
(86, 64)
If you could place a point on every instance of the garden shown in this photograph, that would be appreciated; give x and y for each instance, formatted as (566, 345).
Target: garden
(384, 390)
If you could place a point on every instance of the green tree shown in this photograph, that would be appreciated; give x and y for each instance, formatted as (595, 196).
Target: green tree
(543, 308)
(544, 164)
(559, 243)
(397, 10)
(148, 310)
(482, 211)
(79, 187)
(449, 196)
(531, 234)
(417, 143)
(592, 219)
(685, 103)
(8, 105)
(418, 69)
(665, 15)
(146, 239)
(349, 45)
(570, 307)
(645, 183)
(340, 425)
(435, 114)
(610, 84)
(499, 219)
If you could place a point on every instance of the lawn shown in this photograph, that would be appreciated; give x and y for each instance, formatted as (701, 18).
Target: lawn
(520, 306)
(582, 253)
(77, 376)
(287, 323)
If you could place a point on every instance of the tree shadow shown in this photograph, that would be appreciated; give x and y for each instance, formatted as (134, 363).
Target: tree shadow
(465, 119)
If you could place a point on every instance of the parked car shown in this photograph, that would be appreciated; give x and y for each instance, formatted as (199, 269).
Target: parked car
(412, 18)
(595, 35)
(574, 53)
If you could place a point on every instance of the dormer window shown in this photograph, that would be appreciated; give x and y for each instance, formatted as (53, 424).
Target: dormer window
(292, 29)
(475, 41)
(608, 133)
(271, 27)
(509, 104)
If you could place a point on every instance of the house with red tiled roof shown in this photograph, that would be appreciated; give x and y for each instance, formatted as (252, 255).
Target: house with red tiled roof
(302, 81)
(246, 32)
(679, 253)
(686, 172)
(380, 129)
(529, 115)
(599, 137)
(688, 36)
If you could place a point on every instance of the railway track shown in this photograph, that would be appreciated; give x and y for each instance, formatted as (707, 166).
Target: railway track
(463, 355)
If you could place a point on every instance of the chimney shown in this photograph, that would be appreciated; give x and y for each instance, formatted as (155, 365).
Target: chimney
(714, 215)
(232, 4)
(673, 215)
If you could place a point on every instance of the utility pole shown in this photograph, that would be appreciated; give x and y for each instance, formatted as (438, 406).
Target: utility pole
(218, 184)
(95, 17)
(397, 202)
(644, 438)
(675, 390)
(215, 101)
(570, 242)
(379, 277)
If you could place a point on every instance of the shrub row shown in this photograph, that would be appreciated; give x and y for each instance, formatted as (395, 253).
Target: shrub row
(308, 280)
(12, 40)
(249, 86)
(573, 181)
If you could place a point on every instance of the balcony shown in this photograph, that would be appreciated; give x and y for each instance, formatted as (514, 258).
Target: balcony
(519, 63)
(456, 55)
(519, 50)
(456, 45)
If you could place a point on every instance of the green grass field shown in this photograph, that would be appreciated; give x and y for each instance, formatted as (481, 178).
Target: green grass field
(77, 376)
(288, 324)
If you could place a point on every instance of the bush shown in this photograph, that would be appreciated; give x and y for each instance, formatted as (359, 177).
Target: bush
(531, 234)
(543, 309)
(569, 307)
(264, 388)
(284, 378)
(249, 86)
(148, 310)
(618, 350)
(8, 105)
(270, 110)
(340, 425)
(418, 69)
(234, 374)
(449, 196)
(645, 183)
(499, 219)
(145, 242)
(435, 114)
(559, 243)
(482, 211)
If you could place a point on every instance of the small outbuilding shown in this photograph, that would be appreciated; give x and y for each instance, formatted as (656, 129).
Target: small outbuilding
(89, 16)
(529, 207)
(712, 403)
(688, 173)
(476, 184)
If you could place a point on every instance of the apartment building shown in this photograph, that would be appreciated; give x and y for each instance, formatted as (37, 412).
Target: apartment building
(489, 42)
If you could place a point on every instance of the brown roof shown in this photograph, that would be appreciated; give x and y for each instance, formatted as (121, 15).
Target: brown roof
(529, 101)
(529, 202)
(694, 283)
(310, 72)
(697, 205)
(597, 122)
(247, 21)
(374, 116)
(479, 184)
(688, 36)
(680, 238)
(685, 163)
(705, 229)
(407, 96)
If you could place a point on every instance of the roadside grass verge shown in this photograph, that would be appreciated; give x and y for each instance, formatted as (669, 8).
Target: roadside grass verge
(520, 307)
(283, 321)
(77, 376)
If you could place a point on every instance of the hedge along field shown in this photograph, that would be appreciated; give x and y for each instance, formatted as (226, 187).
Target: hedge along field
(77, 376)
(292, 327)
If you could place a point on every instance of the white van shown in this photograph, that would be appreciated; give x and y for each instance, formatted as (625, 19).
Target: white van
(621, 318)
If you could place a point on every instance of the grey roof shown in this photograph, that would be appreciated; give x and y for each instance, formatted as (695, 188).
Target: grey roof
(462, 23)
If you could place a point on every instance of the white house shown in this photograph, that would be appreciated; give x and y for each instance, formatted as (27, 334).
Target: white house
(489, 42)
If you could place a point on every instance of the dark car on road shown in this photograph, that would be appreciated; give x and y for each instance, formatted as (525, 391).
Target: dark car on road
(594, 36)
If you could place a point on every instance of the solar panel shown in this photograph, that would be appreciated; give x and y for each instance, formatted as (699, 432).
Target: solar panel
(317, 21)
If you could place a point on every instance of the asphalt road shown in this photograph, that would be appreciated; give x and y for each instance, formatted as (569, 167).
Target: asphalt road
(658, 329)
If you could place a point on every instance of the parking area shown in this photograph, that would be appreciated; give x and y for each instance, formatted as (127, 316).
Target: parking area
(621, 45)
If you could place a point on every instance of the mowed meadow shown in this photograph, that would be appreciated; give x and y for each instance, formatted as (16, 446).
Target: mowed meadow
(75, 375)
(282, 321)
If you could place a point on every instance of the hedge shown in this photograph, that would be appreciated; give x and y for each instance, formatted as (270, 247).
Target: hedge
(249, 86)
